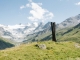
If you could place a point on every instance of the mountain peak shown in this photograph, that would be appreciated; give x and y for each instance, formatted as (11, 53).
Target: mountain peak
(70, 22)
(35, 24)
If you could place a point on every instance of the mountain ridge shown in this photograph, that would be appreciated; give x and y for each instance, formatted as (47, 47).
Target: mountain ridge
(21, 32)
(46, 33)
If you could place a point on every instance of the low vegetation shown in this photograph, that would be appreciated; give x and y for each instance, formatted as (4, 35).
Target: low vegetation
(54, 51)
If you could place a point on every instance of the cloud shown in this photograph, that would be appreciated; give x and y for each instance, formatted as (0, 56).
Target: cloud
(21, 7)
(37, 12)
(78, 3)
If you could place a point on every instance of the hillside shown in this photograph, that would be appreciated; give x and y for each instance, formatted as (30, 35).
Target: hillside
(44, 31)
(65, 34)
(71, 34)
(4, 43)
(54, 51)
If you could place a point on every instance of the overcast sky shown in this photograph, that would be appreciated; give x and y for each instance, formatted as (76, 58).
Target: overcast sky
(24, 11)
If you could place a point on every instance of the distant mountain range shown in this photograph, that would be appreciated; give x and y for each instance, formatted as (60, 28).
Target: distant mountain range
(35, 31)
(71, 34)
(17, 32)
(62, 27)
(69, 22)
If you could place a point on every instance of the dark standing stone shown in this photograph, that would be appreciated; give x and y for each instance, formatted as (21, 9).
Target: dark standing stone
(53, 31)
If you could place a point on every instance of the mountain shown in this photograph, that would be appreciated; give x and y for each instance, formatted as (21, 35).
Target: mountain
(45, 33)
(35, 31)
(72, 34)
(69, 22)
(39, 27)
(4, 43)
(17, 32)
(39, 34)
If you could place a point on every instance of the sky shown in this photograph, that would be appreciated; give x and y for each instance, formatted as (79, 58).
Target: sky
(30, 11)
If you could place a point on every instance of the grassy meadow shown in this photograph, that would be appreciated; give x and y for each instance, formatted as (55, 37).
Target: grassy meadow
(54, 51)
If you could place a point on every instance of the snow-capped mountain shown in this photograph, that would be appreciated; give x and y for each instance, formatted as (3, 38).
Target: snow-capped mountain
(17, 32)
(21, 32)
(39, 27)
(45, 31)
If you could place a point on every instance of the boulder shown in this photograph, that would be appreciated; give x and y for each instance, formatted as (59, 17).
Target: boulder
(41, 46)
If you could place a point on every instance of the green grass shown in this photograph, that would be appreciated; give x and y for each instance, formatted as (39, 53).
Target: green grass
(72, 34)
(54, 51)
(40, 37)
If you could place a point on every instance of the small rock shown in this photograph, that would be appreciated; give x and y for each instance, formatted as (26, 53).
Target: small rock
(77, 46)
(41, 46)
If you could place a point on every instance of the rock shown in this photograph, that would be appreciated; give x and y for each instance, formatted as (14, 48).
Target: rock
(77, 45)
(42, 46)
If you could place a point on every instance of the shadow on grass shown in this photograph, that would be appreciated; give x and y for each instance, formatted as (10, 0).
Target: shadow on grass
(4, 45)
